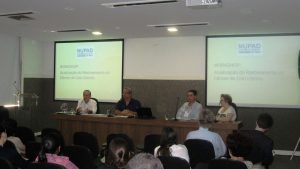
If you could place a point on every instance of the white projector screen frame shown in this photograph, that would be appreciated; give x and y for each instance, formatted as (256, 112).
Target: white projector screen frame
(105, 91)
(220, 79)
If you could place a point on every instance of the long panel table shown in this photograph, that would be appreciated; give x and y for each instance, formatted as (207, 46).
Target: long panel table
(137, 129)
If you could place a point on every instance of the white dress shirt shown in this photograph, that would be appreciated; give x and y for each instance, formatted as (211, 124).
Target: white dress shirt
(189, 112)
(214, 138)
(90, 105)
(177, 150)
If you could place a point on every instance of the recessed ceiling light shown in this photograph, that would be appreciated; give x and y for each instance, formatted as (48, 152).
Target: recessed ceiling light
(52, 31)
(68, 8)
(172, 29)
(97, 33)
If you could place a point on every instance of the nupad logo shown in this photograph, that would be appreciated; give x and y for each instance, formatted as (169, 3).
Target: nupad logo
(250, 48)
(85, 52)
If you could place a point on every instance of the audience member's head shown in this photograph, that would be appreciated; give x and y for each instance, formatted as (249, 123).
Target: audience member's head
(11, 126)
(144, 161)
(239, 146)
(51, 144)
(86, 95)
(168, 138)
(191, 96)
(208, 118)
(3, 136)
(127, 93)
(264, 122)
(118, 153)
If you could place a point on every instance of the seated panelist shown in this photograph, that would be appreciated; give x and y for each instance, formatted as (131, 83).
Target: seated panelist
(190, 110)
(86, 105)
(227, 112)
(127, 106)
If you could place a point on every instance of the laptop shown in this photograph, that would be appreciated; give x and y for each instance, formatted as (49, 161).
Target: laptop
(144, 113)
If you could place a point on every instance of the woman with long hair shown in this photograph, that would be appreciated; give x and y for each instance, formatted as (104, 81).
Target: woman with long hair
(51, 145)
(169, 147)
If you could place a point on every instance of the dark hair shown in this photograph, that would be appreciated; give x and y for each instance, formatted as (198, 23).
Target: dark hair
(239, 145)
(193, 91)
(168, 138)
(265, 121)
(11, 126)
(118, 153)
(50, 144)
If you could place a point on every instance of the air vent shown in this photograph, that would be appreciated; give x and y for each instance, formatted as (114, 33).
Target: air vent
(180, 24)
(137, 3)
(71, 30)
(19, 16)
(17, 13)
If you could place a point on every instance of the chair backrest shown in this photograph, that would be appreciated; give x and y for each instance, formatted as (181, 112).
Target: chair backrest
(174, 162)
(81, 156)
(25, 134)
(32, 150)
(97, 104)
(5, 164)
(150, 142)
(88, 140)
(46, 131)
(199, 151)
(45, 166)
(226, 164)
(236, 110)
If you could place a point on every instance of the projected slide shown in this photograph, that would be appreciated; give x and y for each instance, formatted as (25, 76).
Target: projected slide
(257, 71)
(93, 65)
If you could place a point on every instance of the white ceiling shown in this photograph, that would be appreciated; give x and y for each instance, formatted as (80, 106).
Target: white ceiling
(234, 17)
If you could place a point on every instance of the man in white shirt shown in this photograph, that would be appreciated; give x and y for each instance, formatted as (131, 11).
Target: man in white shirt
(86, 105)
(190, 110)
(203, 133)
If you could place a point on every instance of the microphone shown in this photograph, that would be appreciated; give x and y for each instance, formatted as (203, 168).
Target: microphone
(177, 105)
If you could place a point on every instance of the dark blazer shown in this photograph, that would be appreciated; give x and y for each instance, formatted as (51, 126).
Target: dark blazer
(262, 147)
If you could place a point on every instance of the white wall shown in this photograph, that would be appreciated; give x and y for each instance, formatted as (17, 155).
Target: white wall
(167, 58)
(170, 58)
(9, 68)
(38, 58)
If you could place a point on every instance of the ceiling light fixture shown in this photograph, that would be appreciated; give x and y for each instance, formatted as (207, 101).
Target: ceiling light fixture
(97, 33)
(137, 3)
(172, 29)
